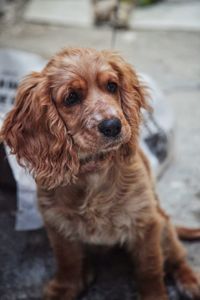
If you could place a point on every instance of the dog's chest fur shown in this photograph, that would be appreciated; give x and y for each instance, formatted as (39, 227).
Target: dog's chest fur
(105, 208)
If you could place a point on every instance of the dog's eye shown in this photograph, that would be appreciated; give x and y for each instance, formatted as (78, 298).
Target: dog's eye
(72, 99)
(112, 87)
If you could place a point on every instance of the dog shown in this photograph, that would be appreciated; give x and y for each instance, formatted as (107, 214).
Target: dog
(75, 126)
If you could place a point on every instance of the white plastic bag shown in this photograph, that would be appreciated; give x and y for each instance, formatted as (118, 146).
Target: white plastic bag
(14, 65)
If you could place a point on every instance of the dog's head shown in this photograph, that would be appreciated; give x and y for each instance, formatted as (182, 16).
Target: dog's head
(74, 114)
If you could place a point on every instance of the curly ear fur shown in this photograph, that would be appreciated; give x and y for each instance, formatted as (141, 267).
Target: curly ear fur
(37, 135)
(133, 95)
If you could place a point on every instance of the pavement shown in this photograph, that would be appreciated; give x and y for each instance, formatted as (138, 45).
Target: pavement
(164, 15)
(171, 56)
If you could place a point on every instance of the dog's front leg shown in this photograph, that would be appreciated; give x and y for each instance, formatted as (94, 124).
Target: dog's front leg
(148, 262)
(68, 282)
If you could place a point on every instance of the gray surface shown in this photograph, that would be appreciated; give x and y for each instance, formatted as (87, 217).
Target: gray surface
(173, 59)
(164, 15)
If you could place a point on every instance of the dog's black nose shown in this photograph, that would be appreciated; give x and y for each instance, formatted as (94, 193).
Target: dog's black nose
(110, 127)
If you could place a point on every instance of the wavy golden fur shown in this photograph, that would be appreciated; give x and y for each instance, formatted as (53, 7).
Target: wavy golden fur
(75, 126)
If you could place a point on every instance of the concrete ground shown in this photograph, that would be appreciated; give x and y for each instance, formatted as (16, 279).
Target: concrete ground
(172, 58)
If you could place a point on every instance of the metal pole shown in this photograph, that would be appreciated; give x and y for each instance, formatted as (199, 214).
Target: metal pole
(114, 25)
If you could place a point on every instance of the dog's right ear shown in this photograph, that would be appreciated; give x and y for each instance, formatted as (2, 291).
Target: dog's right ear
(38, 136)
(19, 124)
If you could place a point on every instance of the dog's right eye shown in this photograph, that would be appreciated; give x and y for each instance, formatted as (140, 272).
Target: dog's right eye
(112, 87)
(72, 99)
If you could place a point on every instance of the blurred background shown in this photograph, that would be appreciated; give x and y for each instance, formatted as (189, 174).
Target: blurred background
(160, 39)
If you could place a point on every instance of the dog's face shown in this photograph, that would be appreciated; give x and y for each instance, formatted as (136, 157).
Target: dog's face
(70, 117)
(88, 98)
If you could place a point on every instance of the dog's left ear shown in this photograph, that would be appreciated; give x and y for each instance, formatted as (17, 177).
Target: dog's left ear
(133, 94)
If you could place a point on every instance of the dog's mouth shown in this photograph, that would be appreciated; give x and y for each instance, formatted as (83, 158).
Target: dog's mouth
(97, 157)
(94, 162)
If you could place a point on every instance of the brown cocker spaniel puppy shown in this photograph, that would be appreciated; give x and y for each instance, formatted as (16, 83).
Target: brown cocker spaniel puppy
(75, 126)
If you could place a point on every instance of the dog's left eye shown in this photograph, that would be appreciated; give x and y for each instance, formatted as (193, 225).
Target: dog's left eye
(112, 87)
(72, 99)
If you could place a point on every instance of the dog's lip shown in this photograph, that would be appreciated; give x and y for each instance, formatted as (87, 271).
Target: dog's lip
(96, 157)
(112, 145)
(102, 155)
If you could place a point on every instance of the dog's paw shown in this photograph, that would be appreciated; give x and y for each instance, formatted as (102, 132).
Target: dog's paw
(188, 284)
(55, 290)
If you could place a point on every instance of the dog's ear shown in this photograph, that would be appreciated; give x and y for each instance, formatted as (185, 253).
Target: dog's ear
(133, 94)
(37, 135)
